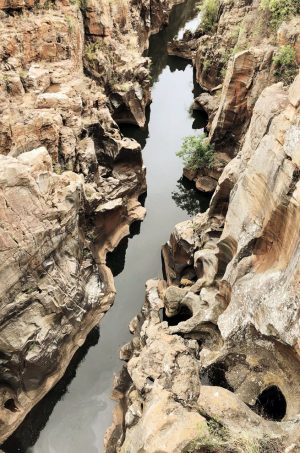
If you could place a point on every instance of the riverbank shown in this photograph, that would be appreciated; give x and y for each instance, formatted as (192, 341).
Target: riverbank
(87, 407)
(213, 364)
(70, 182)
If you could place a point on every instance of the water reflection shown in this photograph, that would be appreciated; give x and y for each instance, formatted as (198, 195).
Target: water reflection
(191, 25)
(190, 199)
(180, 15)
(200, 119)
(140, 134)
(115, 260)
(82, 415)
(177, 63)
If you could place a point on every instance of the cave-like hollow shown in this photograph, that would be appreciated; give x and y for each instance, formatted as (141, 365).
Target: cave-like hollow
(183, 315)
(271, 404)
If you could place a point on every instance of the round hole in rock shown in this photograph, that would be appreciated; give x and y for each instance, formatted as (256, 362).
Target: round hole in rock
(10, 405)
(188, 274)
(215, 375)
(150, 380)
(271, 404)
(183, 315)
(206, 338)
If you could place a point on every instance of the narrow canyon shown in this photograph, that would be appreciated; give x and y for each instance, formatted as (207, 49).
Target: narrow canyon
(150, 143)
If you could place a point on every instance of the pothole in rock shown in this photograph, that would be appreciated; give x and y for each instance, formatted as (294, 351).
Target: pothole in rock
(183, 315)
(187, 276)
(209, 336)
(215, 375)
(271, 404)
(10, 405)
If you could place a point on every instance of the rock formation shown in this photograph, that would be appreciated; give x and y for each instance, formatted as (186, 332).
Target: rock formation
(213, 347)
(70, 183)
(234, 63)
(214, 362)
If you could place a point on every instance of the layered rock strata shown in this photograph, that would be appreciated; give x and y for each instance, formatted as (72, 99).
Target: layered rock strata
(214, 363)
(234, 63)
(70, 182)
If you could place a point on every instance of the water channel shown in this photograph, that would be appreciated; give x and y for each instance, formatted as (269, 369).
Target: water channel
(74, 416)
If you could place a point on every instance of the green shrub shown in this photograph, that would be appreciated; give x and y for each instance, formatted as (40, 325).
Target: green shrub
(207, 64)
(280, 10)
(91, 49)
(209, 10)
(285, 64)
(196, 152)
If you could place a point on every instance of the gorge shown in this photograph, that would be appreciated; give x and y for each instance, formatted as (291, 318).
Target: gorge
(88, 402)
(213, 361)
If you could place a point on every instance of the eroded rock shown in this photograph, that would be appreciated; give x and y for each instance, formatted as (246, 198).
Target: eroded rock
(237, 319)
(70, 182)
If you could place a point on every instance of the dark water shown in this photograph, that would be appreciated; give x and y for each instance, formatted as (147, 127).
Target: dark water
(74, 416)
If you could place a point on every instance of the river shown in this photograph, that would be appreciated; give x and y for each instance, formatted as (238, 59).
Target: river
(74, 416)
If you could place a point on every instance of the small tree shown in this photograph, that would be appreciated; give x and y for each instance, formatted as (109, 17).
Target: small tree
(285, 63)
(196, 152)
(209, 10)
(280, 10)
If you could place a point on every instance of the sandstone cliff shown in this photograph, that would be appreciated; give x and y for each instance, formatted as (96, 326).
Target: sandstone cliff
(214, 362)
(234, 61)
(208, 350)
(70, 183)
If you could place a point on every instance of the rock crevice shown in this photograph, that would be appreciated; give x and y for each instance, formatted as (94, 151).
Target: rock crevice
(70, 182)
(224, 344)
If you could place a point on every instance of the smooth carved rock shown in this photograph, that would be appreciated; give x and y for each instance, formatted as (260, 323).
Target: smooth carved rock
(163, 353)
(204, 308)
(70, 182)
(47, 287)
(239, 318)
(166, 426)
(207, 103)
(240, 92)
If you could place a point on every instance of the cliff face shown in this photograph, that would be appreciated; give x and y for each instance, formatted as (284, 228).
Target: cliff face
(234, 62)
(210, 348)
(214, 362)
(69, 181)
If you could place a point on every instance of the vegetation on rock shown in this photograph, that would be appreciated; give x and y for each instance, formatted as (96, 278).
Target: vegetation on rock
(196, 152)
(209, 10)
(285, 64)
(280, 10)
(90, 51)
